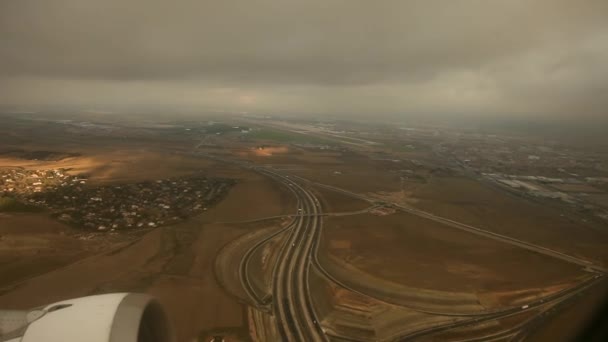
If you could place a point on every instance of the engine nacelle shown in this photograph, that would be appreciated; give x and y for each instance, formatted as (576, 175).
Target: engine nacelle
(116, 317)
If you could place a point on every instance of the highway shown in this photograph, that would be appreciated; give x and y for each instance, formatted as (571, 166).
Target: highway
(292, 303)
(291, 299)
(554, 299)
(259, 301)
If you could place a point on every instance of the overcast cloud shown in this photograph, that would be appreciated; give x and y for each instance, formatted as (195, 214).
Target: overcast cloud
(484, 57)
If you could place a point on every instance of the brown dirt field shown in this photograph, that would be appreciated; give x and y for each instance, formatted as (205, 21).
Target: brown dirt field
(281, 154)
(262, 326)
(138, 165)
(193, 301)
(23, 224)
(83, 277)
(353, 171)
(358, 178)
(576, 188)
(483, 330)
(174, 263)
(205, 307)
(256, 197)
(32, 244)
(351, 315)
(263, 261)
(192, 298)
(229, 257)
(329, 158)
(121, 166)
(421, 255)
(335, 202)
(474, 203)
(599, 199)
(418, 299)
(570, 319)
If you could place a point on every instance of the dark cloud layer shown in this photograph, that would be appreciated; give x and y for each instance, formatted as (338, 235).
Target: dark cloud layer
(519, 57)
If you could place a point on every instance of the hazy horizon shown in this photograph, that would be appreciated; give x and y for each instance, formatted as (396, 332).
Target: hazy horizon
(522, 60)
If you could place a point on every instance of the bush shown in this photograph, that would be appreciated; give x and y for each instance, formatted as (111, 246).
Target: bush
(8, 204)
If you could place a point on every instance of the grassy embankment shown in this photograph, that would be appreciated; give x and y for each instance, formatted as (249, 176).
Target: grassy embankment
(11, 205)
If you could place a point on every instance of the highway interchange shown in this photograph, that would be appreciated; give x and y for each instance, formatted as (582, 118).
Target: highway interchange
(291, 294)
(290, 300)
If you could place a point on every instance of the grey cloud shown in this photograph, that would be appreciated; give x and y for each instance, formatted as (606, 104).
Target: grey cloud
(324, 56)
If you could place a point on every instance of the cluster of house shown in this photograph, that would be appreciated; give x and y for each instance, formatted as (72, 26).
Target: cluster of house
(114, 207)
(20, 182)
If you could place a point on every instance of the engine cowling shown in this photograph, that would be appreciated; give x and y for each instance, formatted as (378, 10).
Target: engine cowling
(116, 317)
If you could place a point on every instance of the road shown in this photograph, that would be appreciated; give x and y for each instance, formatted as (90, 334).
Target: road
(554, 299)
(292, 302)
(260, 301)
(507, 239)
(479, 231)
(291, 299)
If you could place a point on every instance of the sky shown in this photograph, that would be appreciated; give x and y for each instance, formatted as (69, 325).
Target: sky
(491, 58)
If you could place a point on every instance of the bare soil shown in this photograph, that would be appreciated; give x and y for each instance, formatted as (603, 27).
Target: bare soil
(32, 244)
(436, 262)
(333, 201)
(351, 171)
(350, 315)
(569, 321)
(174, 263)
(474, 203)
(121, 166)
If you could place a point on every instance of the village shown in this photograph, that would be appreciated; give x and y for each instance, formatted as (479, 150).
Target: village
(71, 199)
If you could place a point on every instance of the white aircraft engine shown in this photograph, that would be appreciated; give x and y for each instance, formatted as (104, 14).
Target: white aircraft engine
(116, 317)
